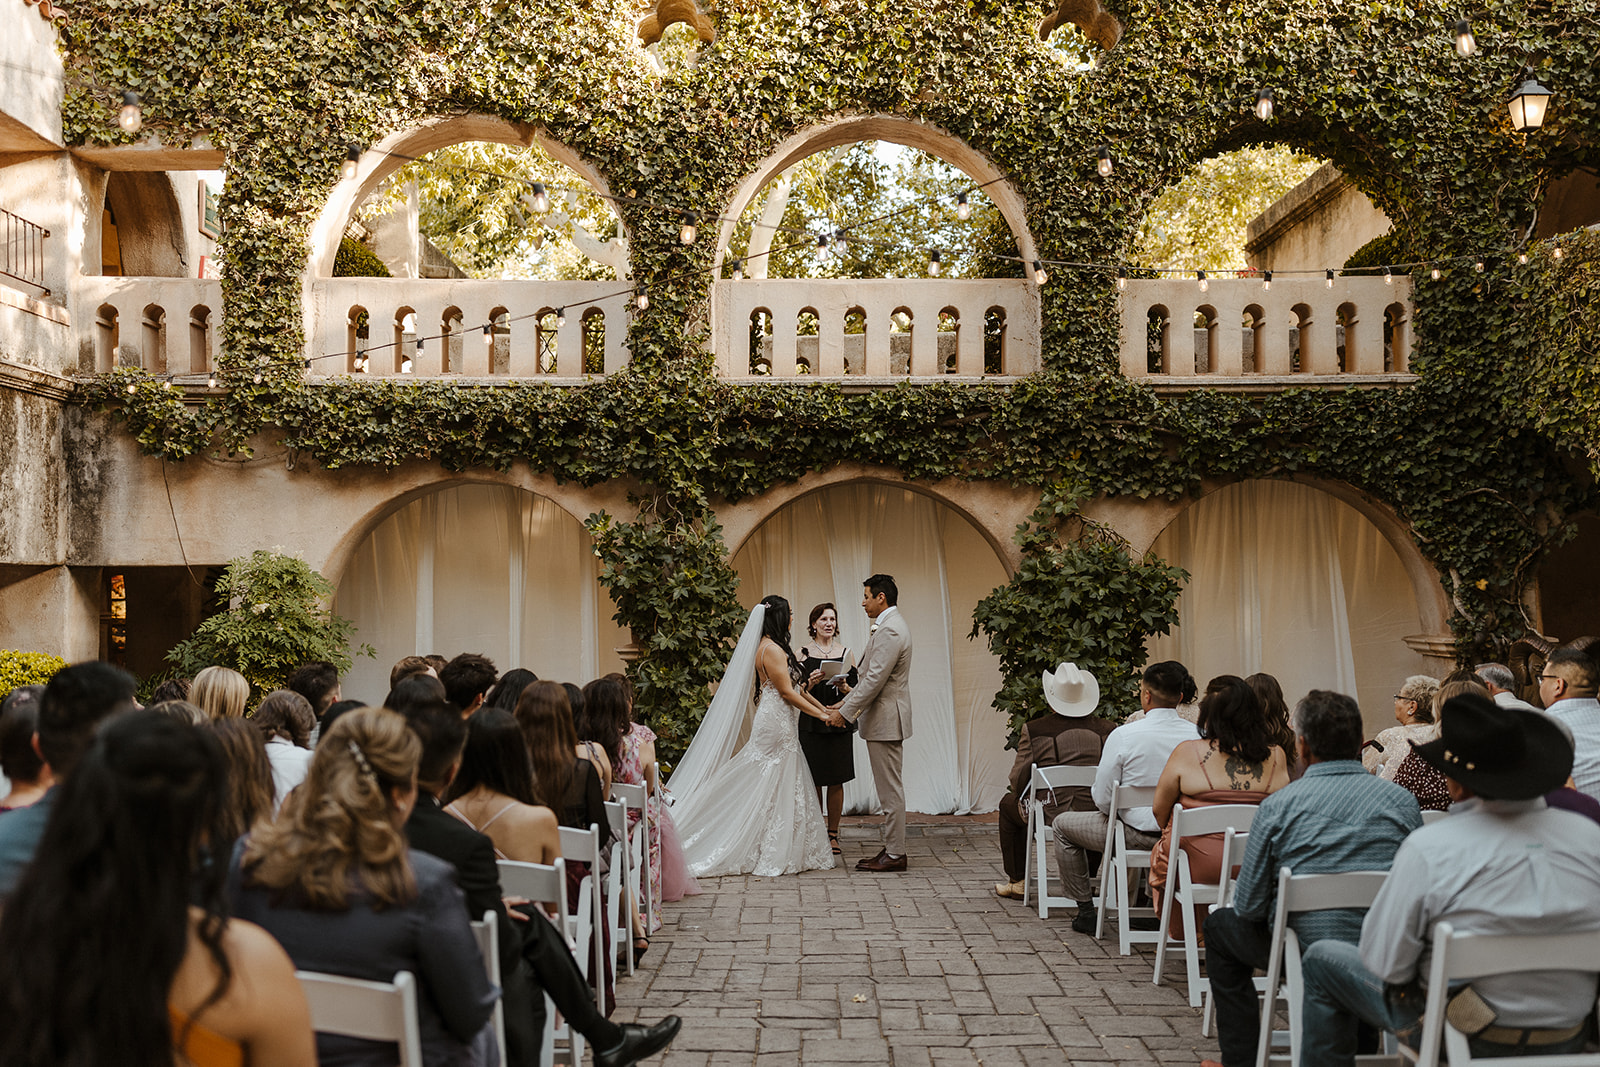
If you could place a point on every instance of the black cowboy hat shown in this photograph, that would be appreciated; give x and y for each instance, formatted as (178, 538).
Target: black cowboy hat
(1498, 752)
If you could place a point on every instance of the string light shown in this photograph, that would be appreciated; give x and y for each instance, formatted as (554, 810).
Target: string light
(1105, 165)
(488, 336)
(687, 232)
(1040, 275)
(822, 244)
(561, 317)
(540, 201)
(841, 244)
(1264, 104)
(420, 341)
(641, 302)
(1478, 266)
(211, 381)
(1266, 280)
(738, 270)
(166, 383)
(131, 115)
(933, 262)
(132, 388)
(352, 156)
(1466, 44)
(256, 379)
(1205, 283)
(963, 209)
(1522, 259)
(1556, 252)
(1437, 274)
(1122, 278)
(1330, 279)
(1388, 276)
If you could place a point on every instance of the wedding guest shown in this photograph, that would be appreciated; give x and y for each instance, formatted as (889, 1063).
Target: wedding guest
(563, 779)
(493, 791)
(414, 688)
(1232, 762)
(183, 711)
(1414, 774)
(318, 682)
(1567, 686)
(436, 663)
(828, 749)
(509, 688)
(119, 946)
(19, 762)
(588, 747)
(1502, 685)
(285, 720)
(1071, 735)
(220, 692)
(407, 666)
(171, 689)
(71, 708)
(331, 716)
(249, 782)
(1276, 711)
(467, 679)
(334, 881)
(1413, 710)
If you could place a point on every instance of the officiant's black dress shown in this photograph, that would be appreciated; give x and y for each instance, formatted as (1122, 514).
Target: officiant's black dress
(827, 748)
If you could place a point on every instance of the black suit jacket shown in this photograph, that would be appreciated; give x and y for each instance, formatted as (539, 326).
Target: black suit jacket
(431, 829)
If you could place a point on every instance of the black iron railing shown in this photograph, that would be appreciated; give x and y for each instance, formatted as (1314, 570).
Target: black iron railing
(22, 254)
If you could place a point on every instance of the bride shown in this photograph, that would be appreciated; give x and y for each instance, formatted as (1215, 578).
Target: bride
(753, 813)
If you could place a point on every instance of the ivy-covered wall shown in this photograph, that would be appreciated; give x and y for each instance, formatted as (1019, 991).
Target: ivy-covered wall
(1483, 457)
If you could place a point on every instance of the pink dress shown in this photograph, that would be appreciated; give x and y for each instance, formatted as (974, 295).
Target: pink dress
(669, 874)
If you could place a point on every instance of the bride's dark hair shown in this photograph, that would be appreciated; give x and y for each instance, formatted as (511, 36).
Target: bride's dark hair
(775, 624)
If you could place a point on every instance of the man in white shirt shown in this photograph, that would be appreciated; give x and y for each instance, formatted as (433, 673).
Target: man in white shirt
(1501, 683)
(1134, 755)
(1567, 688)
(1502, 863)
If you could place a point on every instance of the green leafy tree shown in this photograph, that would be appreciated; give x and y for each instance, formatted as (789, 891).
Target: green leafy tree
(1078, 597)
(276, 620)
(27, 668)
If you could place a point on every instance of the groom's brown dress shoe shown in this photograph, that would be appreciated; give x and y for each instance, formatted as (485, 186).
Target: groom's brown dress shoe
(883, 862)
(866, 865)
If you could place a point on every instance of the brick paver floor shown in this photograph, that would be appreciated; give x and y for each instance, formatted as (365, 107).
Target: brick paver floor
(922, 969)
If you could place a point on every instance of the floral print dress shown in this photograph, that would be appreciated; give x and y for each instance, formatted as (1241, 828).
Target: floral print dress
(669, 874)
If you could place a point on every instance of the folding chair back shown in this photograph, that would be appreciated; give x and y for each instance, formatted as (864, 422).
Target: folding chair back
(637, 797)
(1117, 866)
(589, 917)
(376, 1011)
(1187, 895)
(1461, 957)
(1036, 866)
(1430, 817)
(1298, 894)
(545, 885)
(618, 880)
(1233, 846)
(487, 933)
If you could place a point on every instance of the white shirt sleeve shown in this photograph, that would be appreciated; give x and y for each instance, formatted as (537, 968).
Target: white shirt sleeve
(1109, 773)
(1395, 932)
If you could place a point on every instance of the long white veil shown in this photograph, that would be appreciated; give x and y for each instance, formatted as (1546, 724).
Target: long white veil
(719, 731)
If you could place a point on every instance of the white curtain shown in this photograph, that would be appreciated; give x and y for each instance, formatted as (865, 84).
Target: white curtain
(479, 568)
(1289, 580)
(821, 547)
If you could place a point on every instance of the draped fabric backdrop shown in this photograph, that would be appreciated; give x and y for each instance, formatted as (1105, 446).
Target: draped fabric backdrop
(479, 568)
(821, 547)
(1289, 580)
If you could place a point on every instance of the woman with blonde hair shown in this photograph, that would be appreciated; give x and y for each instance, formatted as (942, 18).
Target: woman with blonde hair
(220, 692)
(334, 880)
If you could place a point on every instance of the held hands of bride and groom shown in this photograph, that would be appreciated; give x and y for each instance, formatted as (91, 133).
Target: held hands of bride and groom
(774, 669)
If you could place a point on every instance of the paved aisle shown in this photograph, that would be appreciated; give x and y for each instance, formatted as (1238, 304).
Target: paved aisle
(922, 969)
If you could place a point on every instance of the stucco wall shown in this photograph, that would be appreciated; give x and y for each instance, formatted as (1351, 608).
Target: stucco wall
(1316, 225)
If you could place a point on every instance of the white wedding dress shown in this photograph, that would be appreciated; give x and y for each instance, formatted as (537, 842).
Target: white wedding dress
(757, 812)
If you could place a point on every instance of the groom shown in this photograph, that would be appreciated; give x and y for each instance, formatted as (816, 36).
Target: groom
(881, 702)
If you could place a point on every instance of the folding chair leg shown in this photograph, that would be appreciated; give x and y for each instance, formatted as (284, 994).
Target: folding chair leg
(1191, 951)
(1162, 939)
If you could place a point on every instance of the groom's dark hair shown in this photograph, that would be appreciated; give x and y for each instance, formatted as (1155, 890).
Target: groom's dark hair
(882, 583)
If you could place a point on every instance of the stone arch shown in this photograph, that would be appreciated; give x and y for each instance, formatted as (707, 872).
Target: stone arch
(879, 127)
(150, 235)
(394, 151)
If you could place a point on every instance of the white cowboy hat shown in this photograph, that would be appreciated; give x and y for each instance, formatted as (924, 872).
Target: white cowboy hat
(1071, 692)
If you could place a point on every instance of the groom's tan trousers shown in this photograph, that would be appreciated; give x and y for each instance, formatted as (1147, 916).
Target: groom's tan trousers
(885, 758)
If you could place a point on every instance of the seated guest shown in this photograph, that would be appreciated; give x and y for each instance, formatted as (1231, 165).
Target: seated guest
(171, 689)
(588, 748)
(563, 781)
(415, 688)
(285, 720)
(183, 711)
(509, 688)
(1336, 818)
(1232, 762)
(407, 666)
(1502, 863)
(331, 716)
(334, 881)
(71, 709)
(19, 762)
(220, 692)
(1502, 685)
(249, 783)
(1414, 774)
(493, 791)
(1071, 735)
(1134, 755)
(467, 679)
(1413, 710)
(529, 950)
(117, 939)
(1276, 711)
(1567, 688)
(318, 682)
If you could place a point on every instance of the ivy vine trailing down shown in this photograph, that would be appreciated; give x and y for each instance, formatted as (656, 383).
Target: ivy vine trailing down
(1485, 457)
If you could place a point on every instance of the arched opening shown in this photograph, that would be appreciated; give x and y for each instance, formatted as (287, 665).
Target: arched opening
(548, 323)
(1290, 580)
(1349, 339)
(594, 341)
(153, 339)
(199, 339)
(819, 547)
(357, 326)
(994, 341)
(106, 336)
(761, 341)
(1205, 339)
(902, 325)
(949, 340)
(403, 353)
(1569, 584)
(500, 328)
(479, 568)
(141, 227)
(1396, 338)
(1301, 343)
(1253, 323)
(855, 341)
(1158, 340)
(452, 341)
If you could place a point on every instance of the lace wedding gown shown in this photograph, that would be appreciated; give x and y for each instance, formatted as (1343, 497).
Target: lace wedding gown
(757, 813)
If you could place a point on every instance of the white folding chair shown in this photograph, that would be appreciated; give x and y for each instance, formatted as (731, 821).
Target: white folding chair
(1184, 892)
(1298, 894)
(638, 837)
(546, 884)
(1233, 846)
(1429, 817)
(1036, 867)
(618, 880)
(589, 918)
(1462, 957)
(1118, 865)
(487, 933)
(376, 1011)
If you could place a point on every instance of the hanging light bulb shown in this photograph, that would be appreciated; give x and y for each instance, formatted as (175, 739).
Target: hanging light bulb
(1436, 274)
(1330, 279)
(132, 388)
(1478, 266)
(256, 379)
(561, 317)
(641, 301)
(1040, 275)
(687, 231)
(488, 335)
(822, 244)
(1122, 278)
(1388, 276)
(1264, 104)
(352, 156)
(1466, 44)
(540, 201)
(1202, 280)
(934, 262)
(166, 383)
(841, 244)
(1266, 279)
(963, 209)
(1522, 259)
(131, 115)
(420, 341)
(1104, 166)
(211, 381)
(738, 270)
(1556, 252)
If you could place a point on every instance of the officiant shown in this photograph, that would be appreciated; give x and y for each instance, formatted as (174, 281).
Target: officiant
(830, 673)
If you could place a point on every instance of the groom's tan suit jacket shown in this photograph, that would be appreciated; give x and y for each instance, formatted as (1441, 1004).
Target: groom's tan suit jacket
(881, 701)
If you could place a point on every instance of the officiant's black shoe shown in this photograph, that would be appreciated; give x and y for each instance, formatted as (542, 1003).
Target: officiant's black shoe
(639, 1042)
(883, 862)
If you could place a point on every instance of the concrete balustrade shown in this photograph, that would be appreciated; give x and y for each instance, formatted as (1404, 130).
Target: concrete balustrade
(164, 325)
(434, 327)
(876, 328)
(1361, 326)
